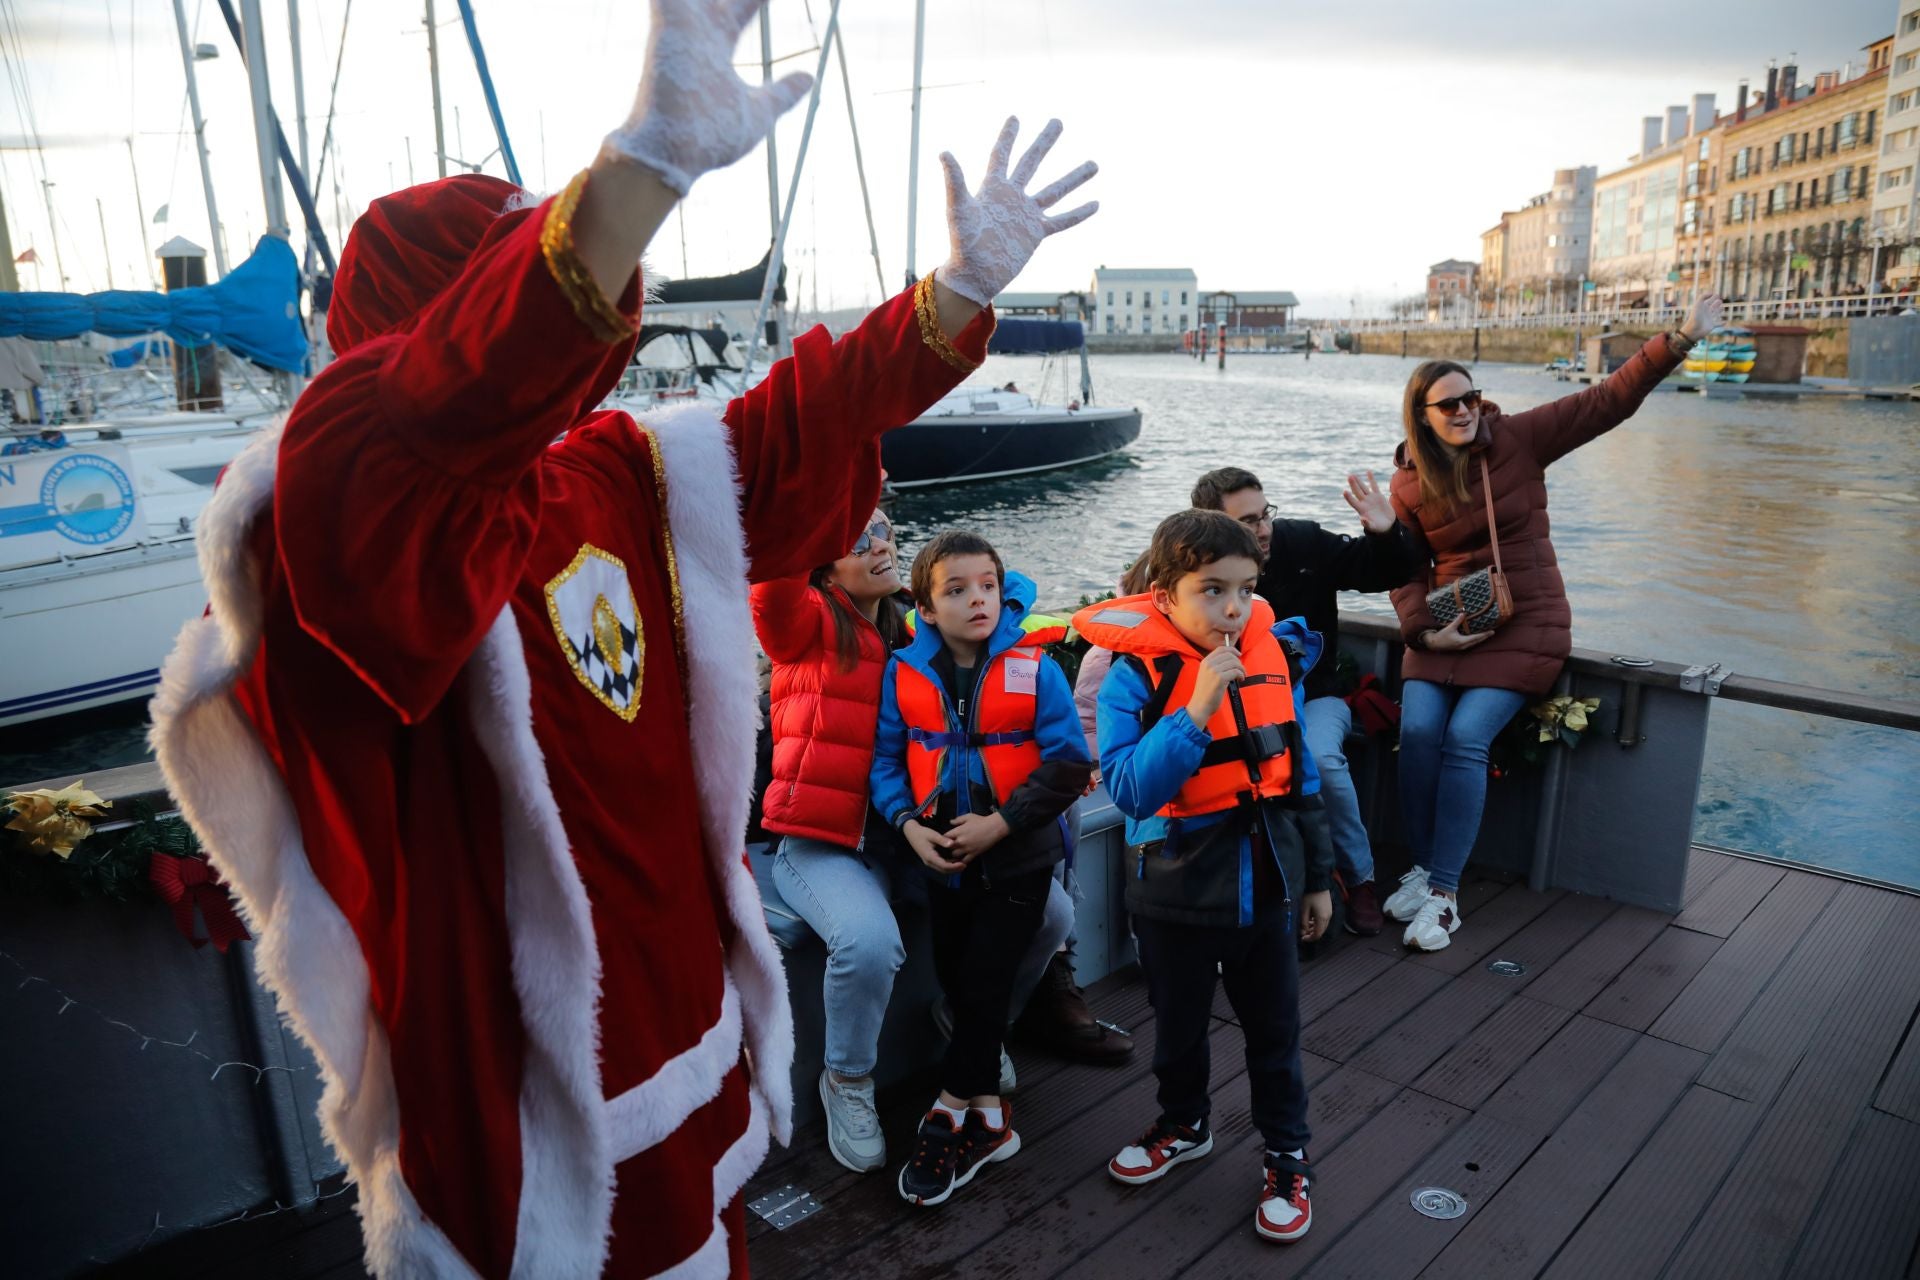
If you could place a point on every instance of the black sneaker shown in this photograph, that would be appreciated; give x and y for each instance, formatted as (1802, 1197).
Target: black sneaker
(982, 1145)
(928, 1178)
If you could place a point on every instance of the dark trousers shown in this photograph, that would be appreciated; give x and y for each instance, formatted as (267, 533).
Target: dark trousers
(980, 932)
(1261, 970)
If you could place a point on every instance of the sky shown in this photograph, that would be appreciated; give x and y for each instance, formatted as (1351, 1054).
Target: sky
(1332, 149)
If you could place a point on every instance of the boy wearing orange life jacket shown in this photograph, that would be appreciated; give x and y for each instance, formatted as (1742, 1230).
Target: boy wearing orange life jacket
(978, 757)
(1201, 749)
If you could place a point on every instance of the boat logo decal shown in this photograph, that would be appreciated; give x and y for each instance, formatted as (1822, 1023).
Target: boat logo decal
(83, 497)
(597, 622)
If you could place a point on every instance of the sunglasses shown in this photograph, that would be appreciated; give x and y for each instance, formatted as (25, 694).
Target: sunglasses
(1265, 516)
(878, 531)
(1452, 403)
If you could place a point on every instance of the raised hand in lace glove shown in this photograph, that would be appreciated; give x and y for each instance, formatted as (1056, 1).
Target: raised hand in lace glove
(996, 229)
(693, 113)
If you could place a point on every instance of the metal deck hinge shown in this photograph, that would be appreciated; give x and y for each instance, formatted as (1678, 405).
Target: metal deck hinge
(786, 1206)
(1703, 679)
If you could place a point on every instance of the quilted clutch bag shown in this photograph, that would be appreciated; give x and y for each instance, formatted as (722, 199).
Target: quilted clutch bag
(1481, 599)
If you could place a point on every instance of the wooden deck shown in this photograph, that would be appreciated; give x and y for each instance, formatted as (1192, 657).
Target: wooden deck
(1731, 1092)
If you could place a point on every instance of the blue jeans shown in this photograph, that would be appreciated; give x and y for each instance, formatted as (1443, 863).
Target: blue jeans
(1325, 728)
(847, 897)
(1444, 736)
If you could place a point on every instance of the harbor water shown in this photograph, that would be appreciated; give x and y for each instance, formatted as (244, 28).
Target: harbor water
(1775, 536)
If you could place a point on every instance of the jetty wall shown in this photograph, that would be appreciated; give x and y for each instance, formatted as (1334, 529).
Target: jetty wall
(1827, 345)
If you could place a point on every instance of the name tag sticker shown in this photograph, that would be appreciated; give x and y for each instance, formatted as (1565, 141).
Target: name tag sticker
(1023, 675)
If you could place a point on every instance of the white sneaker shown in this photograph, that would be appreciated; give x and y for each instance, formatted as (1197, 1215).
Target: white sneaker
(943, 1022)
(1404, 903)
(853, 1123)
(1432, 928)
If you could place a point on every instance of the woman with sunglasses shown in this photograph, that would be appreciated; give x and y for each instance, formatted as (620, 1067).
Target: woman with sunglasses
(828, 636)
(1460, 688)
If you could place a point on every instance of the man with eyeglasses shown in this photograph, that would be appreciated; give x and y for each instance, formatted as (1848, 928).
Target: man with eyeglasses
(1304, 569)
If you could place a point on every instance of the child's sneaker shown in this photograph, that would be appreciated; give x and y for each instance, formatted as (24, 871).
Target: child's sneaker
(1285, 1211)
(1432, 927)
(1404, 903)
(1160, 1148)
(929, 1177)
(982, 1145)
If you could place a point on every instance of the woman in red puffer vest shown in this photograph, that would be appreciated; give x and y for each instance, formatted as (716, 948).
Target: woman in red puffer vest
(828, 635)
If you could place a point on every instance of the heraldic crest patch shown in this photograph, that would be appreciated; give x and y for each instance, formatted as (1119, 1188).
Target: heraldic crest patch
(597, 621)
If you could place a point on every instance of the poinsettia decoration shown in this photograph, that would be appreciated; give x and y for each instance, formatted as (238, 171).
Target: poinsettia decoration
(55, 821)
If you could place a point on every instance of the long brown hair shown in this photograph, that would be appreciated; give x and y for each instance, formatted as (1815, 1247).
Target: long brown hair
(1442, 471)
(890, 620)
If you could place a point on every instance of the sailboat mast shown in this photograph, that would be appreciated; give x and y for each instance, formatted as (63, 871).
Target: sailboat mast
(299, 87)
(433, 74)
(913, 153)
(773, 159)
(140, 209)
(263, 126)
(200, 138)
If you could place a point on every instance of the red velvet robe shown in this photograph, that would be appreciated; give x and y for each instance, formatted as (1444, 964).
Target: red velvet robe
(469, 729)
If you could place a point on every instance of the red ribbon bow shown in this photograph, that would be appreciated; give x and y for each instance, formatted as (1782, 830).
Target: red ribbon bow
(186, 883)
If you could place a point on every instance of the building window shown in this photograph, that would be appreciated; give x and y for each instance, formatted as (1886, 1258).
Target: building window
(1109, 297)
(1910, 23)
(1163, 297)
(1183, 302)
(1905, 63)
(1845, 134)
(1109, 322)
(1129, 297)
(1183, 319)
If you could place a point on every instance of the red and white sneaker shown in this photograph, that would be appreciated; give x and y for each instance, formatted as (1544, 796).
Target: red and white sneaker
(1160, 1148)
(1285, 1211)
(981, 1144)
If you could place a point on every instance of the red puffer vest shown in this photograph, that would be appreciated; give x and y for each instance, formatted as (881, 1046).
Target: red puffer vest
(823, 717)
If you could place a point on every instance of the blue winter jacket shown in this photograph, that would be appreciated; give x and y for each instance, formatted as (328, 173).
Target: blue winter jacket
(1036, 806)
(1144, 771)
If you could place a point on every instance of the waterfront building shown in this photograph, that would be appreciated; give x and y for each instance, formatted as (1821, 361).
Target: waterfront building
(1143, 299)
(1791, 186)
(1895, 223)
(1451, 288)
(1068, 305)
(1636, 213)
(1493, 263)
(1248, 310)
(1533, 259)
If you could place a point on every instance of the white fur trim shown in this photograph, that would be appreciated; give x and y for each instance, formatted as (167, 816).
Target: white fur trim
(645, 1114)
(566, 1164)
(709, 543)
(306, 953)
(709, 1261)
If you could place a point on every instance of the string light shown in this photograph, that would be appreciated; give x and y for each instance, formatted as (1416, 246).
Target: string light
(145, 1038)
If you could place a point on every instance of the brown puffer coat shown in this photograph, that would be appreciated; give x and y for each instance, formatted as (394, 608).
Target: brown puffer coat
(1527, 652)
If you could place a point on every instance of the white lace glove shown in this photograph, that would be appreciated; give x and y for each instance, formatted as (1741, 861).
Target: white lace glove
(996, 230)
(693, 113)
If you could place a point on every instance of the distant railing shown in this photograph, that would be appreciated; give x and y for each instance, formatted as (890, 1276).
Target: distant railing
(1593, 319)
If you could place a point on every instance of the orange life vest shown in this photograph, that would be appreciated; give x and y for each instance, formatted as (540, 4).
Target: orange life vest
(1256, 760)
(1001, 728)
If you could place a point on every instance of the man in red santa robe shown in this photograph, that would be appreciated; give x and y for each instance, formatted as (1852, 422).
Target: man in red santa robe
(469, 724)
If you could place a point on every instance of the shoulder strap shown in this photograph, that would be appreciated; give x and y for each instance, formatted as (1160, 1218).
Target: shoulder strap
(1493, 531)
(1160, 680)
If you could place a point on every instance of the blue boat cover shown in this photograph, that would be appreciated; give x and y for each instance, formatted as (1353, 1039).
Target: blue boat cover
(1014, 337)
(254, 312)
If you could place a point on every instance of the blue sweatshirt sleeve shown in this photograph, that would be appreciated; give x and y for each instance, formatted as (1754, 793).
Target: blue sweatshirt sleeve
(1307, 646)
(1143, 771)
(887, 779)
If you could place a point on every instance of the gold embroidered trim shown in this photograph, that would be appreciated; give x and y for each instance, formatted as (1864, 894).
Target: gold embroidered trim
(602, 318)
(931, 333)
(666, 542)
(589, 551)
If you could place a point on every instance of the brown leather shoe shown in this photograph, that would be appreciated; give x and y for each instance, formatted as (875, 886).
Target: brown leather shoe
(1363, 910)
(1057, 1018)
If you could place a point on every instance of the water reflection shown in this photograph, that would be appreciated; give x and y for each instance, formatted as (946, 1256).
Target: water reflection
(1777, 537)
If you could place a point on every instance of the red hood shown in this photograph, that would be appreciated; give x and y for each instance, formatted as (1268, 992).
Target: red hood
(409, 246)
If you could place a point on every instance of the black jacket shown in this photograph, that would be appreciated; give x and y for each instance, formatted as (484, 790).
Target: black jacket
(1309, 566)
